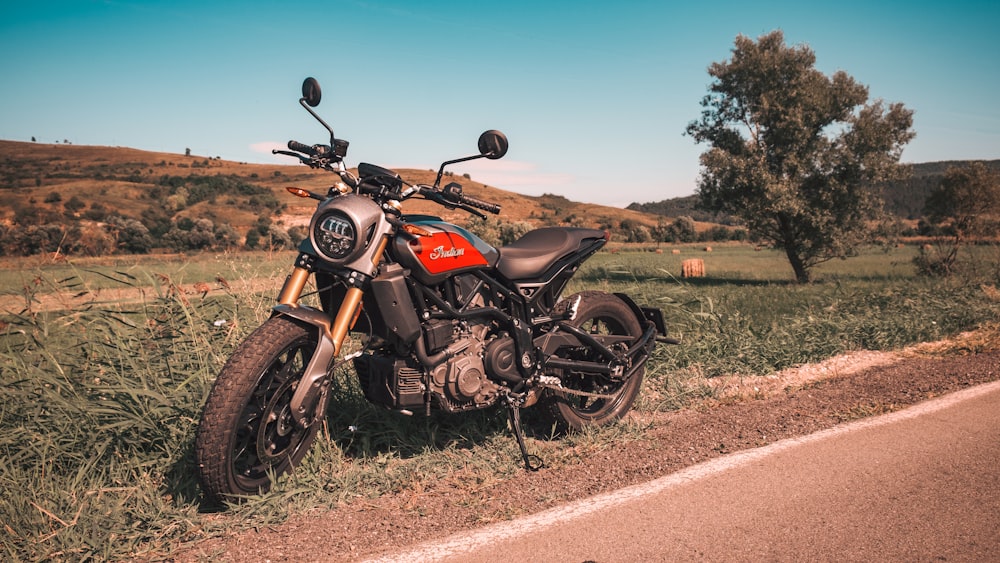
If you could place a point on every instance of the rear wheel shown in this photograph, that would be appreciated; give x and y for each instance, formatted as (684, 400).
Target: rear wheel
(597, 314)
(247, 434)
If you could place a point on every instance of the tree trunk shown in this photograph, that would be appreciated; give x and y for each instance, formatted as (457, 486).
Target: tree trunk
(798, 266)
(788, 242)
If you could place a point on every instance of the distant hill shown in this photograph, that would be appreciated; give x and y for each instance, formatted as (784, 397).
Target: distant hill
(682, 207)
(57, 183)
(904, 199)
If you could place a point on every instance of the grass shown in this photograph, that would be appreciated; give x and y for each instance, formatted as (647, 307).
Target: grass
(17, 275)
(98, 405)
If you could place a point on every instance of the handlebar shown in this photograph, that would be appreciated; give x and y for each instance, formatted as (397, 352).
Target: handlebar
(452, 194)
(447, 197)
(486, 206)
(302, 148)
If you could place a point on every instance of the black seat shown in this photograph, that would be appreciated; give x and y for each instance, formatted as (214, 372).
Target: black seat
(534, 253)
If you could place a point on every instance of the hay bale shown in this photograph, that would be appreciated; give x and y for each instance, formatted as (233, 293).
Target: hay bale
(693, 268)
(675, 251)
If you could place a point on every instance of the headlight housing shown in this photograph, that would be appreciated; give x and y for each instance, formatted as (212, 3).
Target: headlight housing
(343, 227)
(335, 236)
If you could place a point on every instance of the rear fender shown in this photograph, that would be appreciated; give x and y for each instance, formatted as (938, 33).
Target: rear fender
(646, 315)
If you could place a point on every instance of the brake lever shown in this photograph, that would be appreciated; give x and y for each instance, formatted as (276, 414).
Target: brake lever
(301, 158)
(472, 211)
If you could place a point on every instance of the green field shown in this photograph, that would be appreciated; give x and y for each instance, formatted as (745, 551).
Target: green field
(98, 404)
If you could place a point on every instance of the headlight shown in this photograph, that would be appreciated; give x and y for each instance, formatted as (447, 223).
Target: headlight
(335, 235)
(343, 227)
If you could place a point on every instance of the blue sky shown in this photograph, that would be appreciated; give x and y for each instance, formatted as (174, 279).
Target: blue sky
(594, 96)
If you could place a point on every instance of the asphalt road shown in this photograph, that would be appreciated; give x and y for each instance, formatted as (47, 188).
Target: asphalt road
(921, 484)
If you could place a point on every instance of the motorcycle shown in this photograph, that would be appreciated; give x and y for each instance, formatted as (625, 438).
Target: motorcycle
(449, 322)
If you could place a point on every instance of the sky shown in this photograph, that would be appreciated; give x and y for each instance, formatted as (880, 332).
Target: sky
(593, 96)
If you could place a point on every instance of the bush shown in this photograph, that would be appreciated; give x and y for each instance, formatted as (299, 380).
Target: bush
(132, 236)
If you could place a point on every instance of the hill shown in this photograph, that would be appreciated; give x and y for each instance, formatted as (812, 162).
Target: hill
(686, 206)
(55, 184)
(903, 199)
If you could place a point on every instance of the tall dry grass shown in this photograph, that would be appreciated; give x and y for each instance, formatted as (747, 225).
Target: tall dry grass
(98, 405)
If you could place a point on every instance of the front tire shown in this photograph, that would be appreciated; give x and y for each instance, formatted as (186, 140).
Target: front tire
(598, 313)
(247, 433)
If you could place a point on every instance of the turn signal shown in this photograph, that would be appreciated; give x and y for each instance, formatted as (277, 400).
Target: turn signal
(416, 231)
(299, 191)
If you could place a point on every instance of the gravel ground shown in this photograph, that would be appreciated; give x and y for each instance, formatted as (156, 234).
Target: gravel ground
(745, 413)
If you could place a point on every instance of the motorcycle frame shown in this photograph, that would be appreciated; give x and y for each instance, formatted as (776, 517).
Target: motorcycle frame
(524, 308)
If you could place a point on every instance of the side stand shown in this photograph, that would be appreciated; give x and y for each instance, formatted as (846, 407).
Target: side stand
(531, 462)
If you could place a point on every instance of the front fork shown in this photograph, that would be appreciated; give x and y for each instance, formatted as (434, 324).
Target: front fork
(346, 316)
(306, 404)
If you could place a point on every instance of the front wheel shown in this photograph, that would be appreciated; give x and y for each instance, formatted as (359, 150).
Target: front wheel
(247, 433)
(599, 314)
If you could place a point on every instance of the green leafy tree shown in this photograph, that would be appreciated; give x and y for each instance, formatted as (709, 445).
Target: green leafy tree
(510, 232)
(631, 230)
(188, 234)
(965, 206)
(130, 235)
(794, 153)
(496, 232)
(226, 237)
(74, 205)
(683, 229)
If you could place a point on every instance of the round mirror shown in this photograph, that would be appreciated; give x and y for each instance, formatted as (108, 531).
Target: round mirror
(493, 144)
(311, 92)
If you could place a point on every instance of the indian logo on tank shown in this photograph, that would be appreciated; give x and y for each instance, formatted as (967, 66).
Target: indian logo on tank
(445, 252)
(440, 252)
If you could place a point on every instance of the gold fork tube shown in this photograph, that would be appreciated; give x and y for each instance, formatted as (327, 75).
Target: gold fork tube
(348, 312)
(292, 290)
(345, 318)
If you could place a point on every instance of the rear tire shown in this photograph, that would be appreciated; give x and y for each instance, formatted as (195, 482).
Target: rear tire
(597, 313)
(247, 434)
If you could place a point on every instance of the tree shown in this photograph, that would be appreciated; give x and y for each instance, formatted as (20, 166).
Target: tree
(683, 229)
(634, 231)
(74, 205)
(794, 153)
(227, 238)
(965, 205)
(496, 232)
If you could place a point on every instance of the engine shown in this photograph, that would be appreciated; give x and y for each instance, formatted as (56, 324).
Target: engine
(457, 384)
(461, 383)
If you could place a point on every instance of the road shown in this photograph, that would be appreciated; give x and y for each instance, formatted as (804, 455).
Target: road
(920, 484)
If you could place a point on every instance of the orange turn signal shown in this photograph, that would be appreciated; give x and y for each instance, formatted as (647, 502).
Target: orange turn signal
(298, 191)
(416, 231)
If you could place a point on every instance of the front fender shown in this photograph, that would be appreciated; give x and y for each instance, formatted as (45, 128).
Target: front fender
(306, 405)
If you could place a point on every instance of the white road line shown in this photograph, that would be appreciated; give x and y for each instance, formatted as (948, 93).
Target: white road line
(466, 541)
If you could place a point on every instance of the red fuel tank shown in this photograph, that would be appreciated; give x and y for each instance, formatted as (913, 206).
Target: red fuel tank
(437, 250)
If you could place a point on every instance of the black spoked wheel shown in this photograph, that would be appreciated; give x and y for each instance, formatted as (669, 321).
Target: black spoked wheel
(602, 398)
(247, 434)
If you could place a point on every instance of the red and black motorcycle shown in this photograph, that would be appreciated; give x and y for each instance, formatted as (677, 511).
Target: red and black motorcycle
(449, 322)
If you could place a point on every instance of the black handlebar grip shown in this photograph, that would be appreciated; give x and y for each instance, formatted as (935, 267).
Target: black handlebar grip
(301, 147)
(486, 206)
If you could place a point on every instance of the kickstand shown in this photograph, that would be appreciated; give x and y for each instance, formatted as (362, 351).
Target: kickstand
(531, 462)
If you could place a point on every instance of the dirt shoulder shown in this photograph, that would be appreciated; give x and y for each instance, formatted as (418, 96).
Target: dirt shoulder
(746, 413)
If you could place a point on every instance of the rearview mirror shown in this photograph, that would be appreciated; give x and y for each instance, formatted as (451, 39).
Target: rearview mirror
(311, 93)
(493, 144)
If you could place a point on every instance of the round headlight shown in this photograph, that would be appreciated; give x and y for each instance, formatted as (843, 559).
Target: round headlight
(335, 235)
